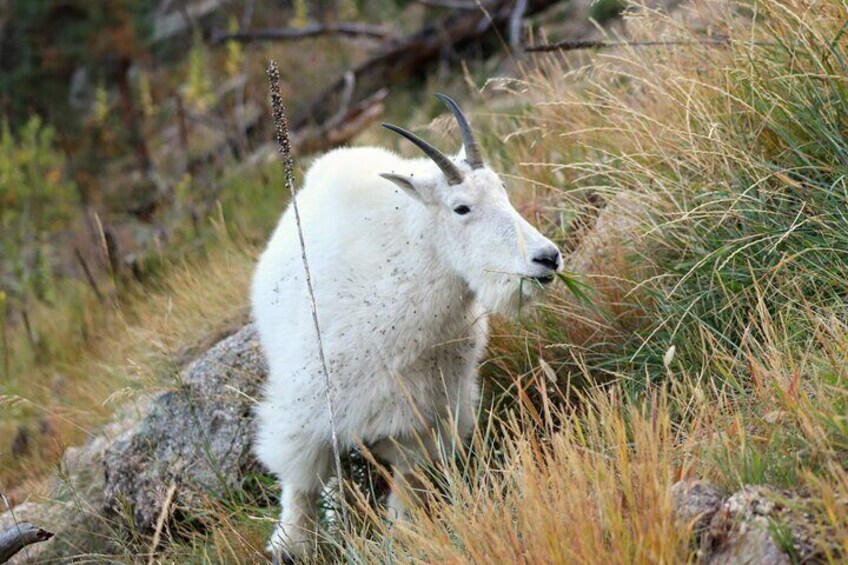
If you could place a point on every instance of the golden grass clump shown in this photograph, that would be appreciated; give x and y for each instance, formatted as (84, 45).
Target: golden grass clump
(596, 490)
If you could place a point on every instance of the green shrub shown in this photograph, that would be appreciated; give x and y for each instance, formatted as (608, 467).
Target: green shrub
(35, 200)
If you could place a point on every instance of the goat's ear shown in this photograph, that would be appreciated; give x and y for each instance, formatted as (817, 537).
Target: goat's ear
(405, 183)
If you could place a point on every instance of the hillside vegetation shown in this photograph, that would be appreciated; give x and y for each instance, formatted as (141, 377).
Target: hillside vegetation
(700, 186)
(716, 347)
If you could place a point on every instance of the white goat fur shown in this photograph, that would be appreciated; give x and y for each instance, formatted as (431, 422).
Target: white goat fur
(403, 284)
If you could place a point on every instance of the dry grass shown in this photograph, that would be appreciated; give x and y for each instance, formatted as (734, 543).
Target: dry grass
(593, 489)
(101, 355)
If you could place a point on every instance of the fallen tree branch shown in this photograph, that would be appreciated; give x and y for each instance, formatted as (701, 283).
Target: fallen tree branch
(347, 95)
(352, 29)
(92, 282)
(14, 539)
(349, 121)
(451, 4)
(412, 55)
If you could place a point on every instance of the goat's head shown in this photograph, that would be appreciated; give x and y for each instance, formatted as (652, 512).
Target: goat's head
(504, 259)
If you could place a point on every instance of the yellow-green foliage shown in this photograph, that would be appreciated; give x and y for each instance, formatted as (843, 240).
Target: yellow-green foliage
(102, 104)
(301, 14)
(34, 196)
(145, 94)
(35, 200)
(198, 87)
(348, 10)
(235, 52)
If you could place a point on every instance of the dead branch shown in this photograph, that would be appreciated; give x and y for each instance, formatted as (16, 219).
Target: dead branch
(347, 94)
(412, 55)
(349, 121)
(451, 4)
(92, 282)
(572, 45)
(351, 29)
(14, 539)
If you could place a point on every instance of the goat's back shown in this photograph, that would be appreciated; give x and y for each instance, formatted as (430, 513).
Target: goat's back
(353, 226)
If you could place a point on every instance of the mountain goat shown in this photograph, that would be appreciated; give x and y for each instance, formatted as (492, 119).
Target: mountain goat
(407, 258)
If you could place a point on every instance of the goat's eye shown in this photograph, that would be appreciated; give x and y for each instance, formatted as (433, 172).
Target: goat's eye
(462, 210)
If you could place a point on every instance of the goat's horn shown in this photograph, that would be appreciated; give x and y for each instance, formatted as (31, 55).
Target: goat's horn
(452, 173)
(472, 151)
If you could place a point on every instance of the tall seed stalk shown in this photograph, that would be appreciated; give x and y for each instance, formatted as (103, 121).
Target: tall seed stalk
(281, 128)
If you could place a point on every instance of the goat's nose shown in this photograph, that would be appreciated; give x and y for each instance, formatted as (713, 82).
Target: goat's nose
(549, 258)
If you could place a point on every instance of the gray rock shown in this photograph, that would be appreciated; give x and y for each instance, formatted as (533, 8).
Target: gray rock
(756, 525)
(194, 438)
(695, 502)
(739, 532)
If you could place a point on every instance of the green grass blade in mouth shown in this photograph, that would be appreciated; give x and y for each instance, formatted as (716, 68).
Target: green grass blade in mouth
(576, 288)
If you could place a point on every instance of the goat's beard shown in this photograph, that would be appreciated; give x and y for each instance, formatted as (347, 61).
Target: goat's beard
(505, 294)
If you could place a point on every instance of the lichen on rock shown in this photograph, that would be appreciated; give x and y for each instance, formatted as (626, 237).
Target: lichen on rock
(195, 437)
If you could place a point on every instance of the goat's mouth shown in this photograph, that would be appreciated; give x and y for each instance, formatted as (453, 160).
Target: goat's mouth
(541, 279)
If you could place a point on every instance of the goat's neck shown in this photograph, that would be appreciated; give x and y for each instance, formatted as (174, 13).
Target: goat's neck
(439, 278)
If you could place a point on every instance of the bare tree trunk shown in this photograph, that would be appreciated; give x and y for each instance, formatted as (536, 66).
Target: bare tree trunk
(515, 37)
(130, 116)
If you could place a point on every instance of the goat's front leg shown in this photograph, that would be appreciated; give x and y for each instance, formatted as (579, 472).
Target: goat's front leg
(407, 458)
(295, 534)
(407, 491)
